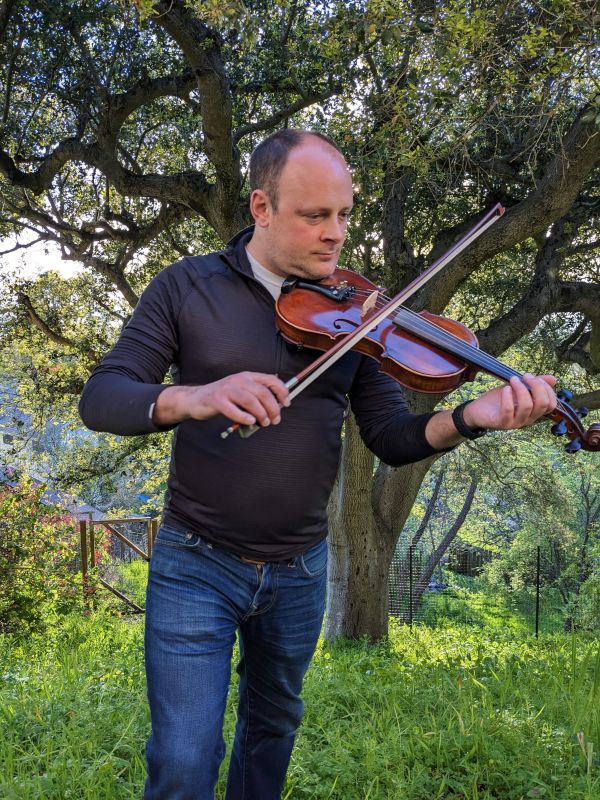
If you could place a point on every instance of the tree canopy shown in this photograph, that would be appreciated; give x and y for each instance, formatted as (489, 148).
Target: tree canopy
(125, 130)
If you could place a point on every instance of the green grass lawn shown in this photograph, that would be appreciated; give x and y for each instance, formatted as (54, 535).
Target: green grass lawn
(434, 713)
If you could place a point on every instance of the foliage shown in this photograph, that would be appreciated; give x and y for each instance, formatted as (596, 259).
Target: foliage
(554, 505)
(565, 526)
(125, 132)
(127, 127)
(39, 581)
(443, 714)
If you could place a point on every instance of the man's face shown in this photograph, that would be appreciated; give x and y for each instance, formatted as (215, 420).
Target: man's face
(305, 235)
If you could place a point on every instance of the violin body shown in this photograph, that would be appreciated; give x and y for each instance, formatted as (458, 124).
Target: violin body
(424, 352)
(312, 319)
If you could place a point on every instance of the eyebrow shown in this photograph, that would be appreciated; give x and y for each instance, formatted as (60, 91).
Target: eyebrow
(322, 209)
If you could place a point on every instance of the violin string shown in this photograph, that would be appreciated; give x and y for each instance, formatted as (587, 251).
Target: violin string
(445, 340)
(456, 346)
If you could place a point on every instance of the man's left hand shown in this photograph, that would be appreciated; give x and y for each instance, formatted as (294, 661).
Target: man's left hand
(515, 405)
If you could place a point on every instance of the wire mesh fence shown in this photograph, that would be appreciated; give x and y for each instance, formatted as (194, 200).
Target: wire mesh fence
(459, 589)
(112, 555)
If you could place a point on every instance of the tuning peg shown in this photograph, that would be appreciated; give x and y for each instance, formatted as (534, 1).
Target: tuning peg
(559, 429)
(565, 395)
(573, 446)
(582, 412)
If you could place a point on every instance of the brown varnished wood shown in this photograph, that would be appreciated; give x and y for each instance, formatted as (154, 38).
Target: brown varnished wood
(308, 318)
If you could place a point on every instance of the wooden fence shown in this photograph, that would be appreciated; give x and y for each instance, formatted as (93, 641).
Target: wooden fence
(87, 536)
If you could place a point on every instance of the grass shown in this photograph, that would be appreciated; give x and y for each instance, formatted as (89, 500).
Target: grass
(470, 601)
(454, 714)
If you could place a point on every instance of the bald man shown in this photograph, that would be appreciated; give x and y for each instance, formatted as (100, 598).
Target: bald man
(242, 545)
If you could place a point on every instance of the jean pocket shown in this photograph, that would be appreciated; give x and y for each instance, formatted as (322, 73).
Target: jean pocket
(173, 537)
(314, 563)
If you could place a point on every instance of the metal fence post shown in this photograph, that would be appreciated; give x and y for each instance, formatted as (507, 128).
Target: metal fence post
(83, 547)
(410, 585)
(84, 559)
(537, 594)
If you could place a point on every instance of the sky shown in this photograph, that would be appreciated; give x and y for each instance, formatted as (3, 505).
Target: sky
(34, 260)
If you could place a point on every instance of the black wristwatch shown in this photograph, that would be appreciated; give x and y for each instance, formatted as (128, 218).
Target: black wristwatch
(462, 427)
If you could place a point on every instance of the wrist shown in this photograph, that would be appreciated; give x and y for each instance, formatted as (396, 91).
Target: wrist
(172, 405)
(464, 423)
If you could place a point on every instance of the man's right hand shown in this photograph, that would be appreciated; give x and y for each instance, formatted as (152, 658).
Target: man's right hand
(246, 398)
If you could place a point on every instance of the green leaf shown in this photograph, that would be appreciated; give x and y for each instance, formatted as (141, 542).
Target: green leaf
(424, 27)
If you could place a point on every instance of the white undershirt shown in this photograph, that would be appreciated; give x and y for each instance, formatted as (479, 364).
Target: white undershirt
(269, 280)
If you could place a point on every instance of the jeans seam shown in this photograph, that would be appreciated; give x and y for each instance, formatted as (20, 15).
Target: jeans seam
(246, 738)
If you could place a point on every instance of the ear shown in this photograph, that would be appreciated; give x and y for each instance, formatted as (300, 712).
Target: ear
(260, 208)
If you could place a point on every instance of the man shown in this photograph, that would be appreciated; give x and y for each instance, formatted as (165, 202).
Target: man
(242, 546)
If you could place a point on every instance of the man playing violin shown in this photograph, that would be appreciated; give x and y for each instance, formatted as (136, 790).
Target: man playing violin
(242, 545)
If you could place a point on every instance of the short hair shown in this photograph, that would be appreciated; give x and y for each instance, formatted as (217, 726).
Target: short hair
(270, 157)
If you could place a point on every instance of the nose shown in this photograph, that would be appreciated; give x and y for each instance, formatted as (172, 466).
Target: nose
(334, 230)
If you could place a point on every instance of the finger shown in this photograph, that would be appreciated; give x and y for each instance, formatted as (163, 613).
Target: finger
(275, 385)
(257, 393)
(542, 396)
(507, 407)
(523, 401)
(235, 413)
(271, 407)
(550, 383)
(257, 400)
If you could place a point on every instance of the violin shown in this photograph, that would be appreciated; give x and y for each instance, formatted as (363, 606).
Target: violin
(422, 351)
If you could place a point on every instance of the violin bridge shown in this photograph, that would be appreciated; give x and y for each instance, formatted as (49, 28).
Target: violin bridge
(369, 304)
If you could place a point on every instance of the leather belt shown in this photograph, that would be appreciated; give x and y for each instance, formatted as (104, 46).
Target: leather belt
(252, 561)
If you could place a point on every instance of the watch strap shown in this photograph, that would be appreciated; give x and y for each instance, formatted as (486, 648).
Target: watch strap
(461, 426)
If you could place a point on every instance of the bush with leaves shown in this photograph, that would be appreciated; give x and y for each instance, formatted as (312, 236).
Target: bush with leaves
(39, 560)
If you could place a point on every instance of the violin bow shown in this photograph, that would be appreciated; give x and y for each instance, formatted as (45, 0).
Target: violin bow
(303, 379)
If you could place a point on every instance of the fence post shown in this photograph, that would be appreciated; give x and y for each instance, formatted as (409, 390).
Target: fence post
(83, 546)
(84, 560)
(410, 585)
(92, 545)
(537, 594)
(152, 530)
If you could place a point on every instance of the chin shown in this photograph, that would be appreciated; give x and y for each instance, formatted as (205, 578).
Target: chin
(316, 272)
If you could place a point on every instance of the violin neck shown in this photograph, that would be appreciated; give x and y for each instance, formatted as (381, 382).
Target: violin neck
(438, 337)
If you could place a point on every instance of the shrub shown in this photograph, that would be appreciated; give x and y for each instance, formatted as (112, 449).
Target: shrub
(39, 560)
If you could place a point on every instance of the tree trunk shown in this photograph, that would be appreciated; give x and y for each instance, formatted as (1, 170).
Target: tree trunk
(366, 518)
(359, 556)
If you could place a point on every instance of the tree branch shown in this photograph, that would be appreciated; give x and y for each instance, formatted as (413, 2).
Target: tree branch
(552, 198)
(145, 91)
(278, 116)
(201, 47)
(43, 326)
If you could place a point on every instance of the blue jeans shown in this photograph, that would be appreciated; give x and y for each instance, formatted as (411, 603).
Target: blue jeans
(198, 597)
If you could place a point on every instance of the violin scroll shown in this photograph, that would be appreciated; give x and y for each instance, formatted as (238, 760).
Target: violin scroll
(568, 421)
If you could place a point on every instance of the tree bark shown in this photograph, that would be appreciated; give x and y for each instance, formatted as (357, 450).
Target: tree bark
(356, 579)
